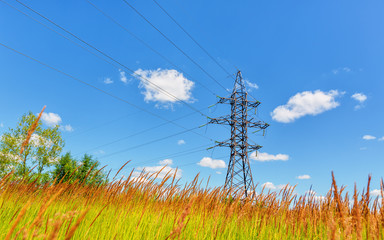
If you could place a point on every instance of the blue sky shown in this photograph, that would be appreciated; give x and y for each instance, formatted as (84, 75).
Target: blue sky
(317, 66)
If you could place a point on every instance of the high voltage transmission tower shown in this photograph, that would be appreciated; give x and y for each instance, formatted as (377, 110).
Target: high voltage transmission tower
(239, 176)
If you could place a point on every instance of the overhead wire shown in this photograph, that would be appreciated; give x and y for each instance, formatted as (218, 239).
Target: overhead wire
(102, 125)
(175, 155)
(97, 51)
(175, 45)
(149, 142)
(97, 88)
(148, 46)
(192, 38)
(167, 121)
(133, 135)
(112, 59)
(101, 52)
(197, 43)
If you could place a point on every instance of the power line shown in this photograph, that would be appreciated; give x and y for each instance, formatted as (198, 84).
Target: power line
(175, 45)
(193, 39)
(101, 125)
(148, 46)
(97, 89)
(109, 57)
(182, 153)
(179, 154)
(135, 134)
(197, 43)
(150, 142)
(53, 30)
(87, 51)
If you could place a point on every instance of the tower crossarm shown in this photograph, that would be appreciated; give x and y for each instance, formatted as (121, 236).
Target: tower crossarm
(231, 100)
(254, 147)
(258, 124)
(253, 104)
(229, 121)
(222, 120)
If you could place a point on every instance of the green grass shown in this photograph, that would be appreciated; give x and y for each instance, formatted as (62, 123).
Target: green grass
(131, 210)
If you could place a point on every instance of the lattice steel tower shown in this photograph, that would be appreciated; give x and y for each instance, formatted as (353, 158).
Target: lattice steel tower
(239, 176)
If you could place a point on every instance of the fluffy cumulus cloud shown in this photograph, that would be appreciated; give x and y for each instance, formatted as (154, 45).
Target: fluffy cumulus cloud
(1, 124)
(271, 186)
(381, 139)
(156, 170)
(251, 85)
(211, 163)
(166, 162)
(53, 119)
(67, 128)
(123, 76)
(108, 80)
(369, 137)
(181, 142)
(376, 192)
(265, 157)
(360, 98)
(303, 177)
(306, 103)
(171, 81)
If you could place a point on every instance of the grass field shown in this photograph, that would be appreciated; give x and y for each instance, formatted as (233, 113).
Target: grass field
(140, 208)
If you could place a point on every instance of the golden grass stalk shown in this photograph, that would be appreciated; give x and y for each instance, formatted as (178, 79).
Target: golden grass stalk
(32, 128)
(74, 227)
(19, 217)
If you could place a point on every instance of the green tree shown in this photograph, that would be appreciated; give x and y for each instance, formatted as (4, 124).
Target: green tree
(90, 166)
(64, 168)
(43, 149)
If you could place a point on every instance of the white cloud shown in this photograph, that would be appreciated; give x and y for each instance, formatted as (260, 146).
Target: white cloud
(369, 137)
(170, 81)
(361, 98)
(340, 70)
(108, 80)
(303, 177)
(166, 162)
(251, 85)
(269, 185)
(163, 173)
(67, 128)
(376, 192)
(180, 142)
(218, 172)
(306, 103)
(381, 139)
(123, 77)
(211, 163)
(264, 157)
(1, 124)
(51, 119)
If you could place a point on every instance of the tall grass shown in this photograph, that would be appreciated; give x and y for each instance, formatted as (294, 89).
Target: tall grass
(143, 208)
